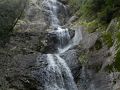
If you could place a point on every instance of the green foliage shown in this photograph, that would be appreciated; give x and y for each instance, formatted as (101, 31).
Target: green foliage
(97, 15)
(92, 26)
(91, 7)
(83, 58)
(107, 38)
(75, 4)
(103, 10)
(116, 64)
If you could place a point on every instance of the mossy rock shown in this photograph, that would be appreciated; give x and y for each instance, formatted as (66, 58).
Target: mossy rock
(83, 58)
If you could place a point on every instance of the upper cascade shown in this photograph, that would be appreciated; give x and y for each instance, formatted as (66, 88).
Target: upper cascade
(51, 7)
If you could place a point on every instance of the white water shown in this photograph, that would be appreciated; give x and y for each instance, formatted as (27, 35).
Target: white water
(55, 63)
(69, 82)
(52, 5)
(53, 68)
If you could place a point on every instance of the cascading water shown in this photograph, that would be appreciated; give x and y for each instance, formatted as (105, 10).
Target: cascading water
(51, 6)
(57, 68)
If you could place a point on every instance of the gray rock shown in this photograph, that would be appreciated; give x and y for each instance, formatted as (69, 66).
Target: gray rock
(33, 20)
(71, 58)
(16, 72)
(89, 39)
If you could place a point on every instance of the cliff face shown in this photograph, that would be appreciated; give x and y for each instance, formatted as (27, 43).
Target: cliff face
(19, 53)
(100, 45)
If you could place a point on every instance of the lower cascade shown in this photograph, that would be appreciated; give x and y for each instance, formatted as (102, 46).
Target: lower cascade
(58, 75)
(62, 78)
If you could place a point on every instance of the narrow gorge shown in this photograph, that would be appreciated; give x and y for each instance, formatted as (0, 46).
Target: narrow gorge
(59, 45)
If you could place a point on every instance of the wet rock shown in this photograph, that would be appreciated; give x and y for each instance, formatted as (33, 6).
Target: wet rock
(62, 13)
(71, 58)
(50, 43)
(63, 1)
(52, 40)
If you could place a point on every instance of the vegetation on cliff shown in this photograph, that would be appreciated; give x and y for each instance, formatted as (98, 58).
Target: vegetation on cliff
(101, 16)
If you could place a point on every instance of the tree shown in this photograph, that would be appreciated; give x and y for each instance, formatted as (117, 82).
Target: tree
(10, 12)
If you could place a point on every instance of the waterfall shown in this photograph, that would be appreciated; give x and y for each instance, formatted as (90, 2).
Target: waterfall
(51, 6)
(59, 76)
(68, 78)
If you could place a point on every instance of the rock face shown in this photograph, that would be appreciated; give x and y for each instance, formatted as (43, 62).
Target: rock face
(20, 53)
(93, 75)
(29, 29)
(11, 12)
(16, 73)
(33, 20)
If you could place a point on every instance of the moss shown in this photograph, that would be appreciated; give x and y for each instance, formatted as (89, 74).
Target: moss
(97, 15)
(83, 58)
(115, 66)
(103, 10)
(117, 54)
(107, 39)
(92, 26)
